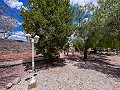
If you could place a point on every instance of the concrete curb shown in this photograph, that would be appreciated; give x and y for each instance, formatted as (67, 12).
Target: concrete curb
(12, 62)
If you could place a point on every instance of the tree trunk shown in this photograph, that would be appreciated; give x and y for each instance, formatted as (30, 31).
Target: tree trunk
(85, 53)
(95, 50)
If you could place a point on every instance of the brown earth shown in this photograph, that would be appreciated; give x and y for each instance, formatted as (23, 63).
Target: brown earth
(16, 56)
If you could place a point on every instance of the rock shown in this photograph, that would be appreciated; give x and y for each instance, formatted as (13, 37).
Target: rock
(32, 84)
(9, 85)
(16, 81)
(29, 71)
(54, 63)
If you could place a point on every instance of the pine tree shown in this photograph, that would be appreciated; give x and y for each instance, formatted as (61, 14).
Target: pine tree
(52, 21)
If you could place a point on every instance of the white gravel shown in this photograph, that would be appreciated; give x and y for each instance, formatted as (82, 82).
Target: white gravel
(70, 77)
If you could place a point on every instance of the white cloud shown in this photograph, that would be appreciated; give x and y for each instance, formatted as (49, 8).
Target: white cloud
(14, 3)
(19, 23)
(83, 2)
(19, 35)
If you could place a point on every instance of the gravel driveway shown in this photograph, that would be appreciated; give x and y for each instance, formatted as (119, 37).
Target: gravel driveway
(74, 74)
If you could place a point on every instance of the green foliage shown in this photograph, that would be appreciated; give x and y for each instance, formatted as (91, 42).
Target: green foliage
(103, 28)
(84, 30)
(78, 44)
(52, 21)
(106, 19)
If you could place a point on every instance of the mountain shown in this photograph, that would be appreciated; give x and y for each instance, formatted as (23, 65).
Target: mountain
(14, 47)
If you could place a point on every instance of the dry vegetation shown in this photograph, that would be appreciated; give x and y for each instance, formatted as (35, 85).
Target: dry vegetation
(13, 47)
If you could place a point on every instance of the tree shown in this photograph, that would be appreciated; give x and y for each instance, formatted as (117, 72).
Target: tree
(111, 13)
(52, 21)
(6, 24)
(6, 21)
(78, 44)
(105, 23)
(84, 32)
(102, 29)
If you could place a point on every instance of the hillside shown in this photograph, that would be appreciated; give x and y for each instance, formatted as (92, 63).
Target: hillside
(13, 47)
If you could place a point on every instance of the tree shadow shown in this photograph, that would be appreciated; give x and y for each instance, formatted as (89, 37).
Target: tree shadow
(76, 58)
(101, 64)
(107, 53)
(43, 64)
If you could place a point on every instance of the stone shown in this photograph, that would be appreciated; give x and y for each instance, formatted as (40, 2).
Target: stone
(32, 84)
(54, 63)
(16, 81)
(29, 71)
(9, 85)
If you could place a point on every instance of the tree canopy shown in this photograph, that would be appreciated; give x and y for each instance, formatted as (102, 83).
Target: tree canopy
(102, 29)
(52, 21)
(105, 20)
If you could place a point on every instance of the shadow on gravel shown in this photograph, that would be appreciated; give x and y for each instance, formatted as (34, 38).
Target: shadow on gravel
(101, 64)
(74, 58)
(45, 64)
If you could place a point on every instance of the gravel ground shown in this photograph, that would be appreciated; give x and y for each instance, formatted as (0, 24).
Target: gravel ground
(71, 73)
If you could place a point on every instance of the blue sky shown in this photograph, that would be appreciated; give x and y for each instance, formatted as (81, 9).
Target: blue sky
(14, 8)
